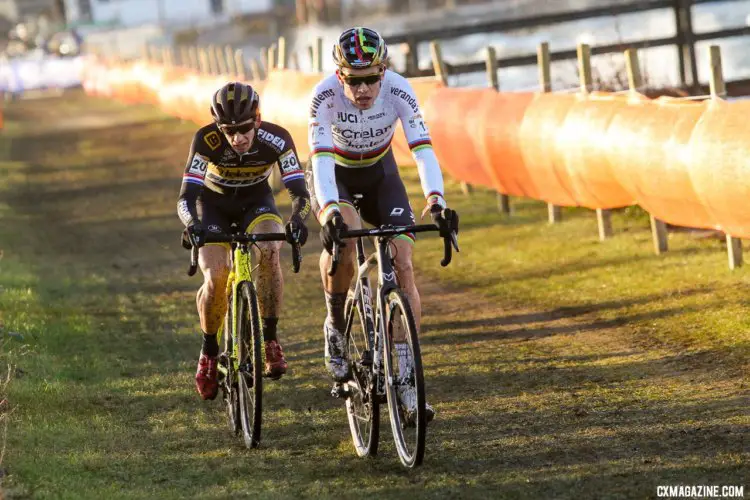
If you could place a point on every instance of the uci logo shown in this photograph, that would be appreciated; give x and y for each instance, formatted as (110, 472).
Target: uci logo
(347, 117)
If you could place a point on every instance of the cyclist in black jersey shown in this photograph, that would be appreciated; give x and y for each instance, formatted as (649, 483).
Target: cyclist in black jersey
(225, 182)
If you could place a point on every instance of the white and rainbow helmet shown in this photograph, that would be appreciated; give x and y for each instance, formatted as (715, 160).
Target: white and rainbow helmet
(359, 48)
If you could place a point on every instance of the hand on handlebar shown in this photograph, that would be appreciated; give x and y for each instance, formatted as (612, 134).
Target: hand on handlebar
(196, 234)
(445, 219)
(331, 232)
(296, 230)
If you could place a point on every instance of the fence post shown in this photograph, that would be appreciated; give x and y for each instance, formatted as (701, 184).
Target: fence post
(318, 55)
(239, 64)
(437, 62)
(603, 216)
(718, 91)
(554, 212)
(635, 81)
(229, 57)
(256, 69)
(213, 64)
(283, 59)
(184, 59)
(271, 59)
(222, 63)
(442, 75)
(503, 200)
(194, 61)
(204, 61)
(264, 60)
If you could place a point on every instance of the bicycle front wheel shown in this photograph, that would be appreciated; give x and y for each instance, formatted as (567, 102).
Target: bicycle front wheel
(250, 364)
(362, 407)
(229, 383)
(404, 379)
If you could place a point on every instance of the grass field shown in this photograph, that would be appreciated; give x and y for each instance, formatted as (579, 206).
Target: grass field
(559, 366)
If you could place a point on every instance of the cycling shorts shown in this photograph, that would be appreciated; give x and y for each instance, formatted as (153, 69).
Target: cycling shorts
(379, 191)
(217, 212)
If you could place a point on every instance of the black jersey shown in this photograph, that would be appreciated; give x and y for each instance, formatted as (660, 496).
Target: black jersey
(213, 164)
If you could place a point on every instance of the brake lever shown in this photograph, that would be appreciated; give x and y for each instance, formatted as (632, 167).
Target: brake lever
(296, 256)
(193, 261)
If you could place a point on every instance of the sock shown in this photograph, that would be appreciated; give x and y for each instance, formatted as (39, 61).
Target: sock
(335, 303)
(269, 328)
(404, 359)
(210, 345)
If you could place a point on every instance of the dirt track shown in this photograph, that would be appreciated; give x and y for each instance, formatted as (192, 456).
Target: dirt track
(533, 404)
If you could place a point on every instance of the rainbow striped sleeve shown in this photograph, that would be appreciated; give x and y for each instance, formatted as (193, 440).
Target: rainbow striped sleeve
(420, 145)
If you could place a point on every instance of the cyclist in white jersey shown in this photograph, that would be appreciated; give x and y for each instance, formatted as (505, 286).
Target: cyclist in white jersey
(353, 117)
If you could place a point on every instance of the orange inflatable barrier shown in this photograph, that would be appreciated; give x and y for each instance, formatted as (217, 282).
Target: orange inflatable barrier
(682, 161)
(718, 152)
(453, 142)
(495, 130)
(543, 117)
(650, 158)
(581, 145)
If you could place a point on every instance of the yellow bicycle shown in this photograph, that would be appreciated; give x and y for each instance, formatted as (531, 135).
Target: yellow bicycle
(241, 362)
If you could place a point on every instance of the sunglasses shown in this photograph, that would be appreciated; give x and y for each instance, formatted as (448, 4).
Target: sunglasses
(356, 81)
(244, 128)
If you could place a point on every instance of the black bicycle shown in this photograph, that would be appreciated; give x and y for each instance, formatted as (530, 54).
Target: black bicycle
(241, 362)
(372, 335)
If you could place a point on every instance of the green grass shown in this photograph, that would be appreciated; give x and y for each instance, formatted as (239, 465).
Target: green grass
(687, 298)
(560, 366)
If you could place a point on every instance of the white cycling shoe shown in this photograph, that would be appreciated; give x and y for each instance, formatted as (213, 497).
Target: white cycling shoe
(336, 354)
(407, 396)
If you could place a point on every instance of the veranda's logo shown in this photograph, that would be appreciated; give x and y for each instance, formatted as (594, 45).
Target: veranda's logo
(700, 491)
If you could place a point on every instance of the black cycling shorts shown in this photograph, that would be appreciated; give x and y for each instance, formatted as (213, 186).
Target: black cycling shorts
(380, 192)
(217, 212)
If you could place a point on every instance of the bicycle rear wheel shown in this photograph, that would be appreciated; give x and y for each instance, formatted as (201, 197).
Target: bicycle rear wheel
(362, 407)
(250, 364)
(404, 380)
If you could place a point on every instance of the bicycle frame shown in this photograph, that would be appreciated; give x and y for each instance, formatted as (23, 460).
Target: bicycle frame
(386, 282)
(241, 270)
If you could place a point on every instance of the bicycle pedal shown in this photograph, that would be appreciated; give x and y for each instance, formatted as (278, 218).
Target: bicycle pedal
(339, 391)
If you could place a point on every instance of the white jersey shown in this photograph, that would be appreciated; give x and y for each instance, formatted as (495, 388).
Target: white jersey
(341, 134)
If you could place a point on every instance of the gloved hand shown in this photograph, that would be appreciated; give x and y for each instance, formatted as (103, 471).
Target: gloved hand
(296, 230)
(331, 232)
(444, 218)
(196, 234)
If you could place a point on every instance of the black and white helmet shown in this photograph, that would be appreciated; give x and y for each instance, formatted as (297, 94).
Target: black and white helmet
(235, 103)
